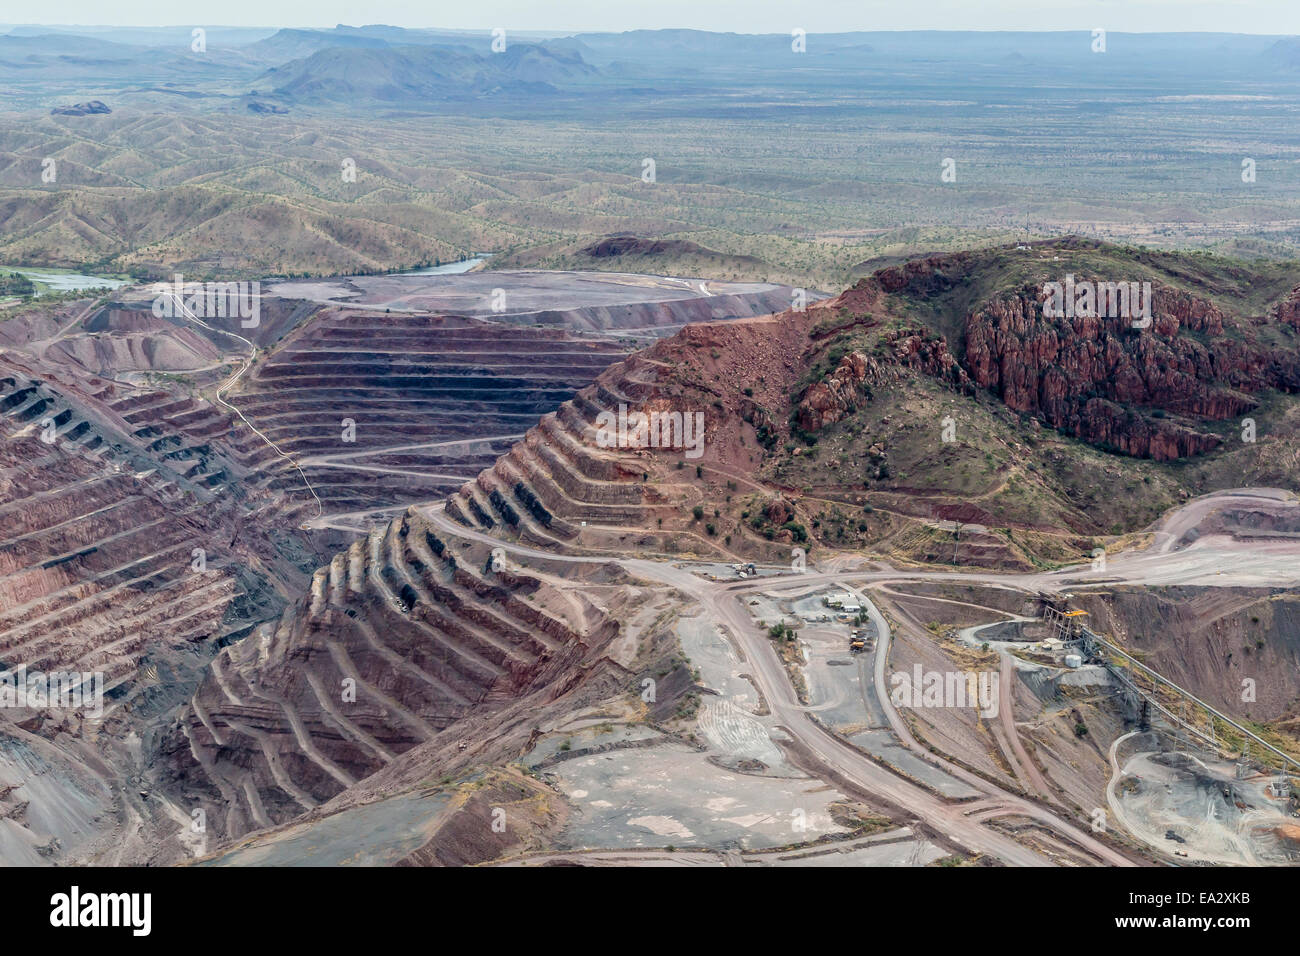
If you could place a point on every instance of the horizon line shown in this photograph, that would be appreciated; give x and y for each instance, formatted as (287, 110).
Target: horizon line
(681, 29)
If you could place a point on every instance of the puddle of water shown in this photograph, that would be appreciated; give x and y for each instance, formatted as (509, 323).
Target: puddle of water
(448, 268)
(67, 281)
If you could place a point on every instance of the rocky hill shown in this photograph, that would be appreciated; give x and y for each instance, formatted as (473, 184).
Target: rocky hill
(930, 396)
(412, 76)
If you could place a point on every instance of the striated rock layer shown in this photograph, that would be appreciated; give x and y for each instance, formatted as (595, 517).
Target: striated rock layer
(399, 641)
(1098, 377)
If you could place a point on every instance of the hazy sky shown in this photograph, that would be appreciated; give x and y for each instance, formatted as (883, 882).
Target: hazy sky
(739, 16)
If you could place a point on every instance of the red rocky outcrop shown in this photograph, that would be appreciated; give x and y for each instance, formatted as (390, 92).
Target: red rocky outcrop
(1288, 310)
(779, 511)
(928, 352)
(829, 400)
(1086, 375)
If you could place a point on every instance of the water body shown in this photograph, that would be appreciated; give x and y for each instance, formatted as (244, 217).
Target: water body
(448, 269)
(67, 281)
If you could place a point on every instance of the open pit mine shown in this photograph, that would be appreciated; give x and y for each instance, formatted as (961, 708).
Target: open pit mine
(949, 579)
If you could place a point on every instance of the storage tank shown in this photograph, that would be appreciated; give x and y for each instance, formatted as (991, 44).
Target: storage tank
(1073, 660)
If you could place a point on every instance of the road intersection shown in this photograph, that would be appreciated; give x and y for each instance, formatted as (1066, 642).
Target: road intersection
(1215, 560)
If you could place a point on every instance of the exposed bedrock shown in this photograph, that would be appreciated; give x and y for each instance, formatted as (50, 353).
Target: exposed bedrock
(1099, 378)
(403, 635)
(1086, 374)
(417, 404)
(119, 542)
(1236, 648)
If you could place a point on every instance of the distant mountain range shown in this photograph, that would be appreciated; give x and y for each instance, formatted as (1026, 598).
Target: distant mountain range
(1285, 53)
(409, 74)
(347, 67)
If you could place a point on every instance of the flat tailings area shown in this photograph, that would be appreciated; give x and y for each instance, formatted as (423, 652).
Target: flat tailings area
(575, 300)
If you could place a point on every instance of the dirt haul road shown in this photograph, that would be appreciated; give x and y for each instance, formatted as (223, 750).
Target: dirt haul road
(722, 604)
(1219, 560)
